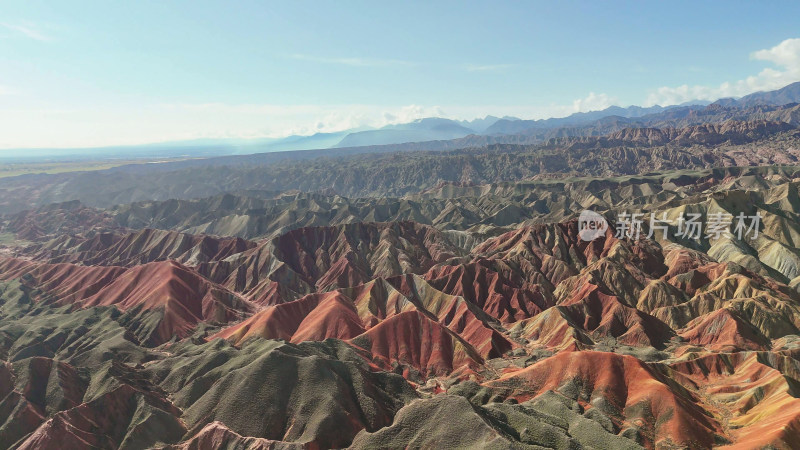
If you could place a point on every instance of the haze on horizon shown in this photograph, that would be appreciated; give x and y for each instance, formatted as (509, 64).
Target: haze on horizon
(89, 74)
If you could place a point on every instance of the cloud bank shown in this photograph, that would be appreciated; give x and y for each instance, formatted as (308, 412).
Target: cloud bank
(785, 56)
(593, 102)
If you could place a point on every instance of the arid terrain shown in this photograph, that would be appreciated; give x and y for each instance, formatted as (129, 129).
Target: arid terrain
(437, 295)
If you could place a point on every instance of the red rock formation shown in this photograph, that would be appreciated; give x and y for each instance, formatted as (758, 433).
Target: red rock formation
(140, 247)
(184, 298)
(603, 315)
(547, 254)
(181, 297)
(334, 317)
(666, 413)
(313, 317)
(353, 254)
(758, 401)
(464, 318)
(413, 339)
(63, 283)
(553, 329)
(504, 296)
(723, 330)
(59, 219)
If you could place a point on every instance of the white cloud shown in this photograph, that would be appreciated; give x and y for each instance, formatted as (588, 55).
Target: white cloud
(99, 126)
(89, 126)
(27, 29)
(355, 62)
(285, 120)
(410, 113)
(593, 102)
(332, 119)
(786, 56)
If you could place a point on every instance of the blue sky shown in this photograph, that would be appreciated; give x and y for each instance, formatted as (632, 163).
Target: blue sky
(93, 73)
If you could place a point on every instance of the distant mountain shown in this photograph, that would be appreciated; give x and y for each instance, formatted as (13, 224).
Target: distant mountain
(783, 96)
(429, 129)
(480, 125)
(516, 126)
(431, 133)
(318, 140)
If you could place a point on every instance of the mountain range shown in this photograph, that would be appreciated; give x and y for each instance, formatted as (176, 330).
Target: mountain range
(422, 130)
(432, 294)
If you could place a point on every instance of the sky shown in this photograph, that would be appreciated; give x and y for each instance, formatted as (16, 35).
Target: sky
(102, 73)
